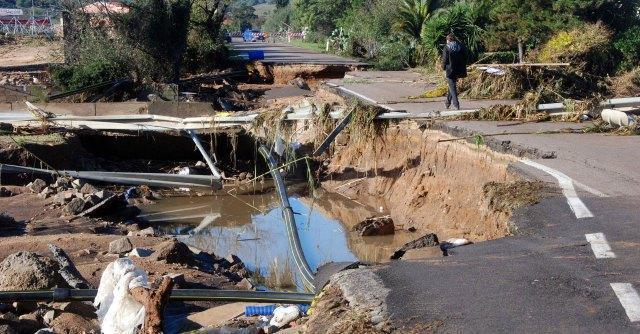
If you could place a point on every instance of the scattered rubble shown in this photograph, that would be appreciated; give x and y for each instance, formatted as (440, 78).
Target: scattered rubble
(375, 226)
(429, 240)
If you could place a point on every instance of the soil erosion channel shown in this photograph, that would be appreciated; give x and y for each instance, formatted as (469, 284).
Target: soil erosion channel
(448, 188)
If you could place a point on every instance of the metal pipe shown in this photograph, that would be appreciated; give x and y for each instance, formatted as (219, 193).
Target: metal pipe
(64, 295)
(207, 158)
(150, 179)
(289, 219)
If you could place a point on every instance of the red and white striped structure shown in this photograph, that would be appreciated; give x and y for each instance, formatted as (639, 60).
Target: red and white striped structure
(26, 26)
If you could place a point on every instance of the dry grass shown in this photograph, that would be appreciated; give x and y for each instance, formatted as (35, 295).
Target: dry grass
(438, 91)
(627, 84)
(577, 46)
(280, 276)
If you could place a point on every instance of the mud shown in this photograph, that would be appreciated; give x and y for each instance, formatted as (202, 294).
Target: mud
(430, 186)
(282, 74)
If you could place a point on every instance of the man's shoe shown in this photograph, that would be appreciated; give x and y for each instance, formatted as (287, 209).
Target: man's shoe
(447, 106)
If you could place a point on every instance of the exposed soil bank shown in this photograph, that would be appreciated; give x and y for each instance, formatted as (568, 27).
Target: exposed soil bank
(433, 187)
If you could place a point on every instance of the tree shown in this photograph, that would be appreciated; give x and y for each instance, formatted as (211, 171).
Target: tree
(531, 22)
(412, 16)
(281, 3)
(319, 16)
(242, 17)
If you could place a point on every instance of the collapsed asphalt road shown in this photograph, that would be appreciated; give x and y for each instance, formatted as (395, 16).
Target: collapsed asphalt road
(571, 265)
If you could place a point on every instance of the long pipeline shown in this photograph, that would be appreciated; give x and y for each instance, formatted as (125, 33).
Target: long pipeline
(65, 295)
(290, 222)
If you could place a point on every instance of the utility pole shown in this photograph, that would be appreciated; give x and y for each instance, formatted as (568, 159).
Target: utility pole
(520, 51)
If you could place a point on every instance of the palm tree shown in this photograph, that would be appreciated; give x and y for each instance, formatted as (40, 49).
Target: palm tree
(412, 16)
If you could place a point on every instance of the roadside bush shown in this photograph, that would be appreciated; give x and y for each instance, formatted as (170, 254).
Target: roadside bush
(628, 45)
(92, 72)
(394, 56)
(587, 47)
(463, 19)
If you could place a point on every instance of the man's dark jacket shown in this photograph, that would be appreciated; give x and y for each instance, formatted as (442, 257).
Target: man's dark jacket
(454, 60)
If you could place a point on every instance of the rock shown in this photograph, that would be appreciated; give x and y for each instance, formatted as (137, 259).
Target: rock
(233, 259)
(46, 192)
(140, 252)
(65, 197)
(25, 307)
(245, 284)
(29, 323)
(48, 317)
(173, 251)
(120, 246)
(37, 186)
(75, 206)
(147, 232)
(429, 240)
(375, 226)
(79, 308)
(178, 279)
(102, 194)
(29, 271)
(8, 317)
(4, 192)
(74, 323)
(87, 189)
(300, 83)
(45, 331)
(62, 182)
(5, 328)
(77, 184)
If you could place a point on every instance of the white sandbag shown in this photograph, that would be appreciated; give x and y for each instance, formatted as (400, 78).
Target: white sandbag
(117, 311)
(284, 315)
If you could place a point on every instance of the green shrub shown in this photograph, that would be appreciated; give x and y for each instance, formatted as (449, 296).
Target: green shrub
(628, 45)
(88, 73)
(587, 47)
(465, 20)
(393, 56)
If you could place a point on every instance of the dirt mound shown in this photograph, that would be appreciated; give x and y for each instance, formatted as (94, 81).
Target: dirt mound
(29, 271)
(434, 187)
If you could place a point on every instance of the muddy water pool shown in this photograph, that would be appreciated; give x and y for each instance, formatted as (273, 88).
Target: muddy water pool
(251, 227)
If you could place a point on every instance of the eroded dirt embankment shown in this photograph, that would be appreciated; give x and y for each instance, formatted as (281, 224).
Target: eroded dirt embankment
(434, 187)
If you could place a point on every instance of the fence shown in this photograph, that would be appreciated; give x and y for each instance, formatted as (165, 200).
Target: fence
(30, 26)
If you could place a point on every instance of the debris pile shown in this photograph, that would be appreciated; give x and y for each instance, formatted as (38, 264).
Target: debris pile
(375, 226)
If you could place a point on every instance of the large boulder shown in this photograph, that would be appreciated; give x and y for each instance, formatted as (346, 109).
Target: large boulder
(173, 251)
(375, 226)
(75, 206)
(29, 271)
(37, 186)
(120, 246)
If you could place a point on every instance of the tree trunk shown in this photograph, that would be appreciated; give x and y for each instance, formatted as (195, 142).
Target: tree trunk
(154, 303)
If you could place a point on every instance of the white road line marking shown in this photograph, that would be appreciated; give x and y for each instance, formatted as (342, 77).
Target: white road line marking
(588, 189)
(629, 299)
(566, 183)
(366, 98)
(600, 246)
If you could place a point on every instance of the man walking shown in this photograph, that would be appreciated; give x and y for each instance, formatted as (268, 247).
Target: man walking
(454, 62)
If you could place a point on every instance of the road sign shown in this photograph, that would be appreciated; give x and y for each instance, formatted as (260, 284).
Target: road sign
(11, 12)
